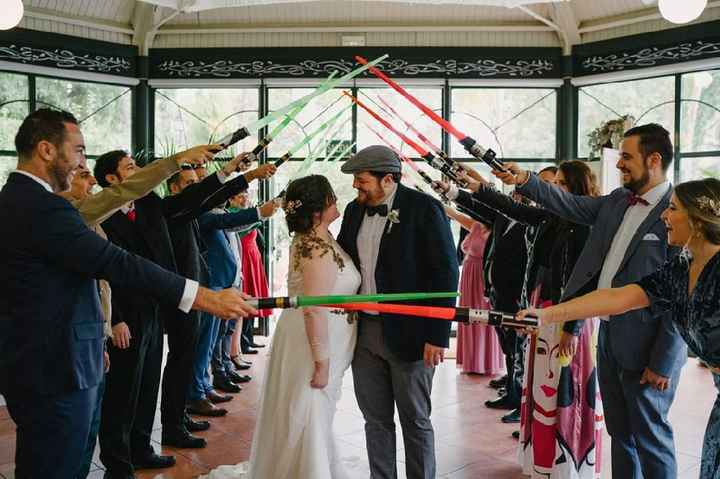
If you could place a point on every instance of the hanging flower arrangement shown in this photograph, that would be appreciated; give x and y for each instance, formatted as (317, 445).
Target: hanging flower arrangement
(609, 135)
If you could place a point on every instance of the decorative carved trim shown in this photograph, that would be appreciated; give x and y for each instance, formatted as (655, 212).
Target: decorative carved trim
(652, 56)
(482, 68)
(61, 58)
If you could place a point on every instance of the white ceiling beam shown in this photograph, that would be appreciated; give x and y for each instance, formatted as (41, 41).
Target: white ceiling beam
(143, 20)
(639, 16)
(225, 29)
(564, 16)
(80, 21)
(554, 26)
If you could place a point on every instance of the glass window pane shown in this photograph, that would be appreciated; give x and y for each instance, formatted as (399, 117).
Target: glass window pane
(700, 110)
(312, 116)
(373, 97)
(104, 111)
(7, 165)
(186, 117)
(515, 122)
(699, 168)
(14, 107)
(648, 101)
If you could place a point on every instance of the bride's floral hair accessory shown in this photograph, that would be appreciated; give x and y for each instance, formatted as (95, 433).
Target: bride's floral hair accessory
(291, 207)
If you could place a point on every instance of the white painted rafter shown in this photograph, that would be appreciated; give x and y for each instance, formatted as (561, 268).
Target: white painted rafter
(78, 20)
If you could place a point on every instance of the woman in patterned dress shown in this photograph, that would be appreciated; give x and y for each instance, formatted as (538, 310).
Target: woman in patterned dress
(688, 285)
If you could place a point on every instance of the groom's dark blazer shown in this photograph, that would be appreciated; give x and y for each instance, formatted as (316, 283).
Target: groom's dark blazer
(416, 254)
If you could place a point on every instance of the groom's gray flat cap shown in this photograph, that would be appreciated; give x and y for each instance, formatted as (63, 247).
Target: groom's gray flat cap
(373, 158)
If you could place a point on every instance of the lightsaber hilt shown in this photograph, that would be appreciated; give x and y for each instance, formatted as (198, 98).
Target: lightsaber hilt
(281, 302)
(282, 160)
(488, 156)
(234, 137)
(444, 168)
(495, 318)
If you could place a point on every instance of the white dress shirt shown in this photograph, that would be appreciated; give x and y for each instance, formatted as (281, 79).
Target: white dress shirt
(634, 217)
(368, 244)
(191, 287)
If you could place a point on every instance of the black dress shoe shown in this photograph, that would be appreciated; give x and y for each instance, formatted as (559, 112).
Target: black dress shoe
(512, 417)
(501, 402)
(253, 345)
(196, 426)
(216, 398)
(499, 382)
(226, 386)
(240, 364)
(238, 378)
(250, 351)
(516, 434)
(154, 461)
(203, 407)
(183, 440)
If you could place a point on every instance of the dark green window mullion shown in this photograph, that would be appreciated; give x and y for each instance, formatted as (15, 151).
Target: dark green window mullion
(265, 190)
(446, 114)
(32, 94)
(678, 115)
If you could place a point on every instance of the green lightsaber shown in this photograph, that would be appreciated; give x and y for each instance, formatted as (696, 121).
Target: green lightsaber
(284, 302)
(263, 143)
(244, 131)
(310, 137)
(307, 163)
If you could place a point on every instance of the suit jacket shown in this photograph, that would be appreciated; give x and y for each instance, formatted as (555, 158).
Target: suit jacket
(214, 227)
(417, 254)
(639, 339)
(505, 255)
(98, 207)
(51, 325)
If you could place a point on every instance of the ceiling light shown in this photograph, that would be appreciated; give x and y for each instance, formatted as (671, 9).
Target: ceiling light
(13, 14)
(676, 11)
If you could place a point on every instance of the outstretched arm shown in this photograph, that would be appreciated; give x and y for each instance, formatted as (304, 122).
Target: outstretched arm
(575, 208)
(602, 302)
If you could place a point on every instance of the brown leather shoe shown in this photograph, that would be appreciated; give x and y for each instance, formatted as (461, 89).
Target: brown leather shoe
(204, 407)
(216, 398)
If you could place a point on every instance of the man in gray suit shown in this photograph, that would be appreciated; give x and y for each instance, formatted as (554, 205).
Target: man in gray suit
(639, 355)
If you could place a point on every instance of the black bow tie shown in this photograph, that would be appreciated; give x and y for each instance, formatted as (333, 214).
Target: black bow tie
(381, 210)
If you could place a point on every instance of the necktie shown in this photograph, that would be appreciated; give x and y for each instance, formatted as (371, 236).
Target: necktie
(634, 199)
(381, 210)
(131, 215)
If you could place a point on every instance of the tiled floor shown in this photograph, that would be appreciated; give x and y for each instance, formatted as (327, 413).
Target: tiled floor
(470, 440)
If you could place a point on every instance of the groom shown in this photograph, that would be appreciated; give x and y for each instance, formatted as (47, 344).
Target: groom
(400, 240)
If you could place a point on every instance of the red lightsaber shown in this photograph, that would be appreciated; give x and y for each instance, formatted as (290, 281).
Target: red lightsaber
(407, 160)
(470, 144)
(434, 161)
(461, 315)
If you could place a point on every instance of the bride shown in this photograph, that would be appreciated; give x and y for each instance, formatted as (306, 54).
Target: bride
(310, 352)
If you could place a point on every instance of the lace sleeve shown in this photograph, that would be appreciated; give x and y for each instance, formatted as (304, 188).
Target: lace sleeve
(316, 261)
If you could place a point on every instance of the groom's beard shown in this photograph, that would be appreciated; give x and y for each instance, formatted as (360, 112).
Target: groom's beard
(371, 197)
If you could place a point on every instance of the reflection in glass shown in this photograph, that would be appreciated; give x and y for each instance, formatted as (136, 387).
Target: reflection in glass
(700, 112)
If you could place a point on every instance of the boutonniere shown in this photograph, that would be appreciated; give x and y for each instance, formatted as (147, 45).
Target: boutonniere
(393, 218)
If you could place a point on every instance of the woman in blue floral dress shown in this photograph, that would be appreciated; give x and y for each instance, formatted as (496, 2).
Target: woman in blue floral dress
(687, 285)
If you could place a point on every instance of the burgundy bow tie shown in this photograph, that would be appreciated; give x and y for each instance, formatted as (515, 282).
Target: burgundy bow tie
(634, 199)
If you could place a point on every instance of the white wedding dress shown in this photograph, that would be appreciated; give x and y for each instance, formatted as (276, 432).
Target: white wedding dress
(293, 436)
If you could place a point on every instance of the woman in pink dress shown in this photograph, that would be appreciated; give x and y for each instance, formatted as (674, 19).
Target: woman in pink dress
(478, 348)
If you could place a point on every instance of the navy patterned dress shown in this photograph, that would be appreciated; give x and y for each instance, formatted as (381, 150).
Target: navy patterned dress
(698, 321)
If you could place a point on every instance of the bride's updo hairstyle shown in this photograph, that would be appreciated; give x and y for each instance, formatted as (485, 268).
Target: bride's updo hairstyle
(701, 199)
(304, 198)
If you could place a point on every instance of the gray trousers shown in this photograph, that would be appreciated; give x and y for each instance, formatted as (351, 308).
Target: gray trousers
(381, 382)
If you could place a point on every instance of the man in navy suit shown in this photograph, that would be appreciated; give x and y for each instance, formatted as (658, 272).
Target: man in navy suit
(51, 325)
(640, 355)
(400, 240)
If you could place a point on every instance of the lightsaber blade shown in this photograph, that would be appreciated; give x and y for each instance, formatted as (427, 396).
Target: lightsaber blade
(282, 302)
(310, 137)
(434, 161)
(423, 176)
(461, 314)
(244, 132)
(470, 144)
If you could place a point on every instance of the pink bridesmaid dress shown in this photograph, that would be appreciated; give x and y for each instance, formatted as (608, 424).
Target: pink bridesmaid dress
(478, 348)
